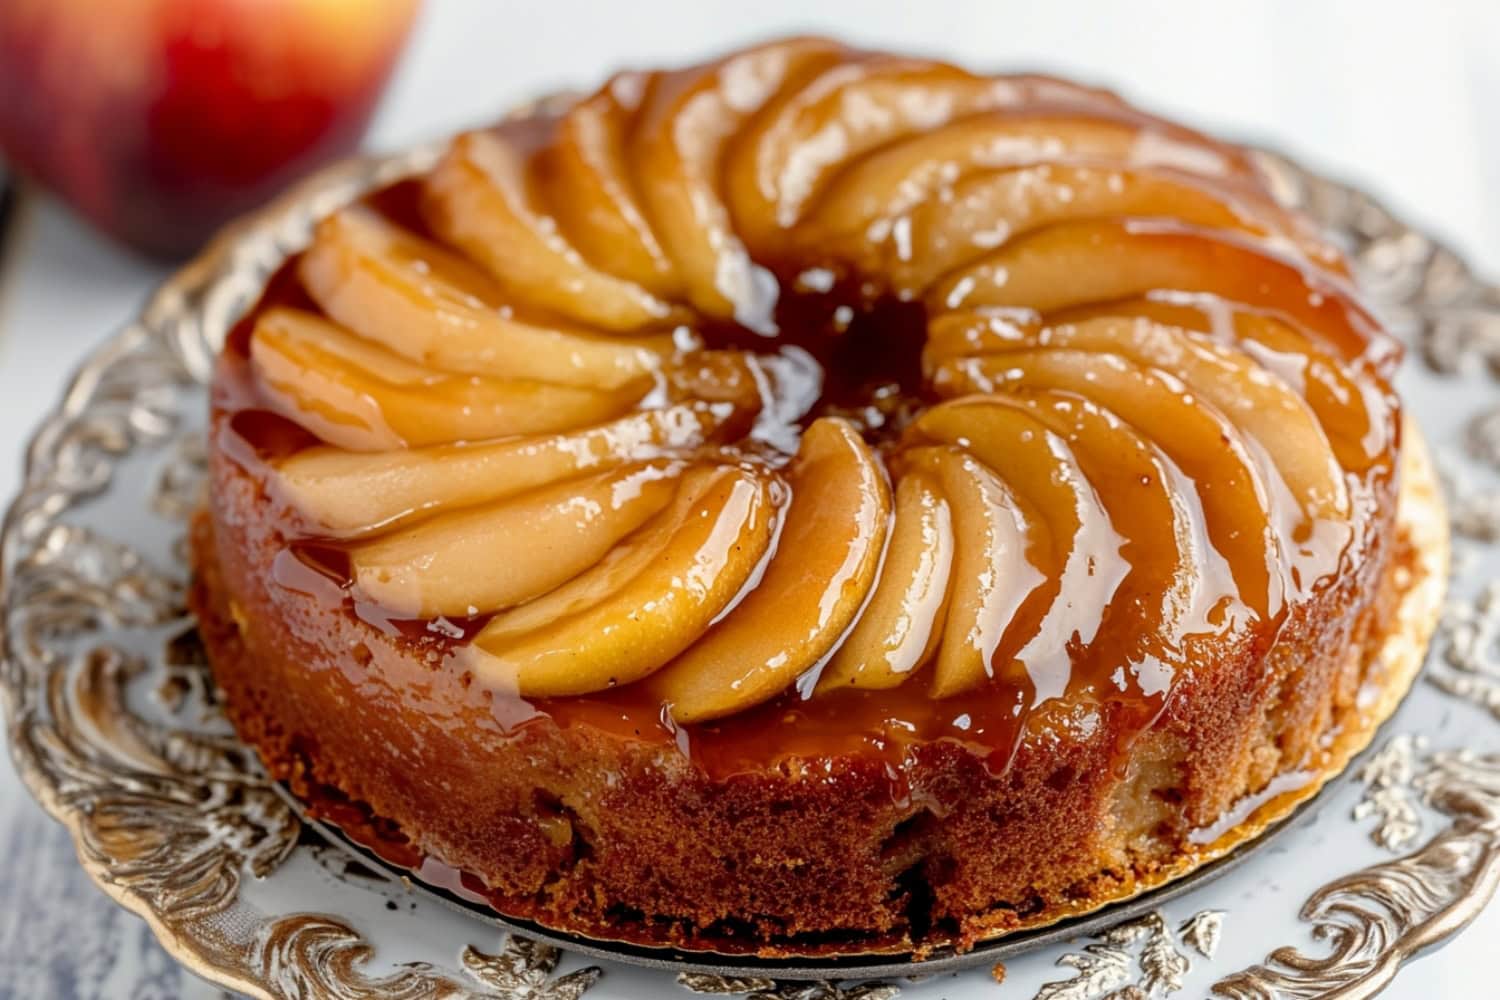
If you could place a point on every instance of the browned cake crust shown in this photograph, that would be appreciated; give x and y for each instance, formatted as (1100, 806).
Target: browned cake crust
(583, 830)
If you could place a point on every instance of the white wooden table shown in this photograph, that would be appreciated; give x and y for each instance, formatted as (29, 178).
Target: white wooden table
(1400, 98)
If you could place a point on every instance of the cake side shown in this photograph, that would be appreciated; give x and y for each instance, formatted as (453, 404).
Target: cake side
(590, 833)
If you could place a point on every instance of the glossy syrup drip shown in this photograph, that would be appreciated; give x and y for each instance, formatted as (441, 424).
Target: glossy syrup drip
(1133, 416)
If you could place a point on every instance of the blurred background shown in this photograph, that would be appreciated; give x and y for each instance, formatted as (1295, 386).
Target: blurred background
(1401, 98)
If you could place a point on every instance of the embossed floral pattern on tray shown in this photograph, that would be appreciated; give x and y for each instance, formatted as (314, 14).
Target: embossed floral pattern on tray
(112, 725)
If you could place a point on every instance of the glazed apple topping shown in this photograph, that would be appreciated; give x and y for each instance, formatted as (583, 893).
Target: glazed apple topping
(827, 556)
(625, 625)
(813, 374)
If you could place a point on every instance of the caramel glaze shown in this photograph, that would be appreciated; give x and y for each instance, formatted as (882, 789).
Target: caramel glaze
(1141, 405)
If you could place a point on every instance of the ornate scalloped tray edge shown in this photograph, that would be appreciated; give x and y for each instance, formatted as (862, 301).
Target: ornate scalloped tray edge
(113, 727)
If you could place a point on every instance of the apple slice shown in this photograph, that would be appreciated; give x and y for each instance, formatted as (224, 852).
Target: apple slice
(1039, 88)
(1354, 412)
(783, 156)
(347, 493)
(617, 568)
(1174, 580)
(479, 199)
(899, 627)
(1357, 413)
(587, 184)
(615, 630)
(867, 216)
(982, 210)
(825, 562)
(502, 554)
(941, 167)
(359, 396)
(684, 123)
(1252, 398)
(964, 332)
(437, 309)
(995, 584)
(891, 181)
(1202, 442)
(1072, 264)
(1085, 568)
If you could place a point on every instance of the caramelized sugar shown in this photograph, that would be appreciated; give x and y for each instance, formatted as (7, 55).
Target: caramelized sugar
(865, 348)
(254, 435)
(320, 571)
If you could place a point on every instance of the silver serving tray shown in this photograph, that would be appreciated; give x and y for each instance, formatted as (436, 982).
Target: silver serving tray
(113, 727)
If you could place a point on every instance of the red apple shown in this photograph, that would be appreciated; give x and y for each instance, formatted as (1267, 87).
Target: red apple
(161, 119)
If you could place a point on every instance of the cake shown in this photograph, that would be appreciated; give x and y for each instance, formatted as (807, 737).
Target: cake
(814, 502)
